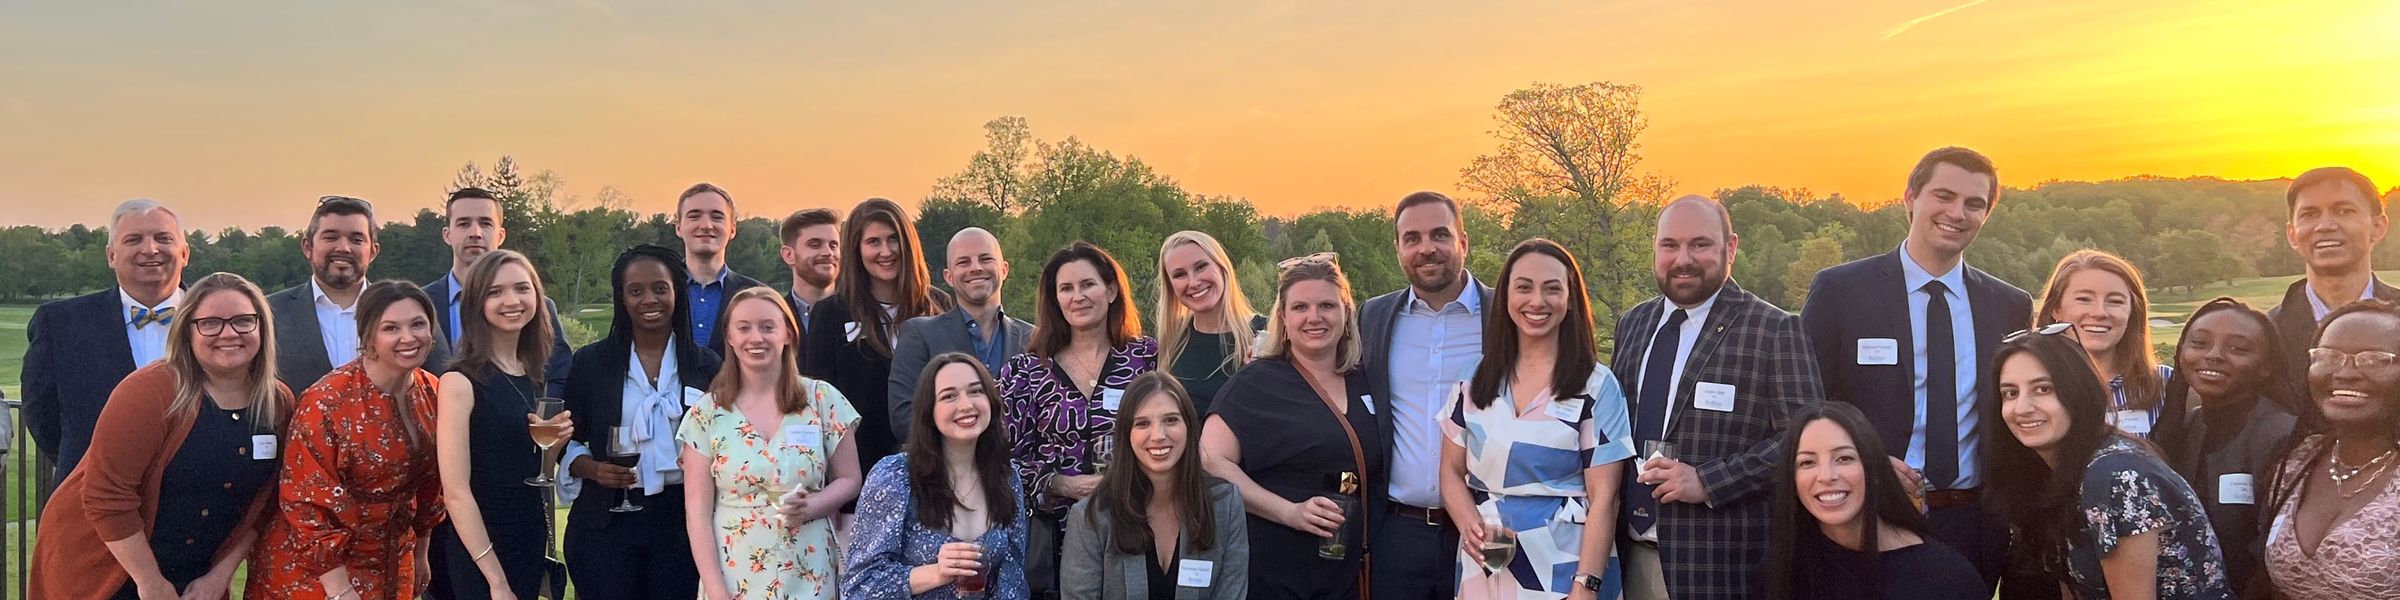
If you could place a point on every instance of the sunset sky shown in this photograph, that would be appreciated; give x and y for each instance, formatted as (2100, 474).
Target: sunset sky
(241, 113)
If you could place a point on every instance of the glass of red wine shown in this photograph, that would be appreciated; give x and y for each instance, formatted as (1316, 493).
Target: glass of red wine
(624, 453)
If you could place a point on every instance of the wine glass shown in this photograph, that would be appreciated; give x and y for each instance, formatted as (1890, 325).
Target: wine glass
(547, 431)
(623, 452)
(1499, 547)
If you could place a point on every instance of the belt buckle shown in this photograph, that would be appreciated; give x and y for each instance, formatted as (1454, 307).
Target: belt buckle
(1429, 514)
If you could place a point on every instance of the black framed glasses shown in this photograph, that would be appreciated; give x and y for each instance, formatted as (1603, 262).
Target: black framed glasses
(2328, 358)
(2051, 329)
(216, 325)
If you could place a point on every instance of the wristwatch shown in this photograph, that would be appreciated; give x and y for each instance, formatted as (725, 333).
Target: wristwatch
(1588, 581)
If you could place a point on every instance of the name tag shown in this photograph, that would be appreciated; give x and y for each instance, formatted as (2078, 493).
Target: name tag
(2234, 488)
(1111, 398)
(1713, 396)
(850, 331)
(1195, 573)
(262, 447)
(802, 435)
(2135, 422)
(1878, 351)
(1567, 410)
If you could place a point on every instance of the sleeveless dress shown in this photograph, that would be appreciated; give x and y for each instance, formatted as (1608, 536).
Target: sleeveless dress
(751, 468)
(2355, 560)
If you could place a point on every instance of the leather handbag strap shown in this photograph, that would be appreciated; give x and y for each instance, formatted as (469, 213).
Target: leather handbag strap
(1358, 457)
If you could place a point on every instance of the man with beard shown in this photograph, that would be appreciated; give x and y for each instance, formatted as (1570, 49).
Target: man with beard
(975, 271)
(705, 219)
(1716, 373)
(316, 324)
(1420, 342)
(81, 347)
(2336, 221)
(1917, 379)
(812, 246)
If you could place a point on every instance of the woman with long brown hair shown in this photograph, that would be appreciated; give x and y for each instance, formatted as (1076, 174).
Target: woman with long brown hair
(940, 520)
(1146, 528)
(848, 343)
(494, 544)
(164, 504)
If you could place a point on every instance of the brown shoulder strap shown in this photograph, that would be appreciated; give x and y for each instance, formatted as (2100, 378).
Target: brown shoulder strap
(1358, 457)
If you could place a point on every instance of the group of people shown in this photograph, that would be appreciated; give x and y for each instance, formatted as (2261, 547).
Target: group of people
(866, 434)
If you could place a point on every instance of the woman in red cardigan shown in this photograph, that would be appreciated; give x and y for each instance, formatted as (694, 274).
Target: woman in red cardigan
(165, 502)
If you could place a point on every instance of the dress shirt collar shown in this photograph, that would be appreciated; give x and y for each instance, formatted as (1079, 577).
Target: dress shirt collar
(1916, 276)
(1470, 296)
(127, 299)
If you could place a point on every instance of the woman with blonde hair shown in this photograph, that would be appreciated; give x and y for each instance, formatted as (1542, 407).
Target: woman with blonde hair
(164, 505)
(1205, 324)
(2100, 295)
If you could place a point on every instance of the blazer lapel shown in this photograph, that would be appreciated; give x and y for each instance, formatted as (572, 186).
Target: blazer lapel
(302, 337)
(108, 326)
(1712, 335)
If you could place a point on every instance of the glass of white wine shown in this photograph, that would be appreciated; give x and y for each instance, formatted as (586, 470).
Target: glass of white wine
(548, 430)
(1499, 546)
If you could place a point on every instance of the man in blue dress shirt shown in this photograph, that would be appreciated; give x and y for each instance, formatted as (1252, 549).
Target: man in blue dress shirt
(705, 220)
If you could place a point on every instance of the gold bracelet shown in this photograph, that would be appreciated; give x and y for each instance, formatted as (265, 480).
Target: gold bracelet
(479, 556)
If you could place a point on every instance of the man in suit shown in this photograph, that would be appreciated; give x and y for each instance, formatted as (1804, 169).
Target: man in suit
(472, 223)
(704, 220)
(812, 247)
(1420, 342)
(81, 347)
(1917, 379)
(316, 323)
(975, 271)
(2336, 221)
(1717, 373)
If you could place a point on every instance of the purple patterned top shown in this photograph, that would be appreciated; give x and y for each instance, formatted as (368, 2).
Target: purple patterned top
(1055, 429)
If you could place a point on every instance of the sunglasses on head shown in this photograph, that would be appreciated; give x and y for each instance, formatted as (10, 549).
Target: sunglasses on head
(2051, 329)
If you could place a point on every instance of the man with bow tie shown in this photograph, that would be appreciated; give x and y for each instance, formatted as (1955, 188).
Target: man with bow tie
(82, 346)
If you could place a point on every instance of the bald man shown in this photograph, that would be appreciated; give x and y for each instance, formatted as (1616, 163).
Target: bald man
(975, 270)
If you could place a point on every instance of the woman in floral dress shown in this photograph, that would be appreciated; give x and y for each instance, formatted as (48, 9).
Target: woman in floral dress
(757, 520)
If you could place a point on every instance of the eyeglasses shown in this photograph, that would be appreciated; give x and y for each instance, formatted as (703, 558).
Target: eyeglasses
(2330, 359)
(1320, 258)
(216, 325)
(2051, 329)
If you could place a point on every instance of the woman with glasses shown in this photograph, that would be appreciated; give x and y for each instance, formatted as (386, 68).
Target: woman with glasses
(1205, 325)
(2087, 505)
(165, 503)
(2228, 444)
(358, 496)
(1296, 432)
(2336, 499)
(2100, 295)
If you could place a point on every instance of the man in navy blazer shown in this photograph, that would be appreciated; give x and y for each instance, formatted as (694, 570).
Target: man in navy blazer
(1717, 373)
(316, 323)
(1881, 351)
(705, 220)
(471, 225)
(81, 347)
(1418, 343)
(2336, 222)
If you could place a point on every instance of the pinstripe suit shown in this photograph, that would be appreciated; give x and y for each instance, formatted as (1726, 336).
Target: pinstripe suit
(1709, 551)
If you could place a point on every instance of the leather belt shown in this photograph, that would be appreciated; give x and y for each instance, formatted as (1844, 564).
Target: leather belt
(1430, 516)
(1950, 498)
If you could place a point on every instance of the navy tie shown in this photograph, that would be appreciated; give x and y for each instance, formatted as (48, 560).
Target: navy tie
(1941, 389)
(1650, 415)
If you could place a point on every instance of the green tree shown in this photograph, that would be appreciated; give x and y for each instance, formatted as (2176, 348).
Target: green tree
(1821, 250)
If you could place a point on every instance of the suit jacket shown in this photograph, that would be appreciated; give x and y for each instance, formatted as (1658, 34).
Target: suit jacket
(1710, 550)
(299, 340)
(596, 394)
(1868, 299)
(562, 356)
(2296, 321)
(1375, 321)
(923, 338)
(77, 352)
(1090, 567)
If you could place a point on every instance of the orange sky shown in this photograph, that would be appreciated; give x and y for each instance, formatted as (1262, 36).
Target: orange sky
(243, 114)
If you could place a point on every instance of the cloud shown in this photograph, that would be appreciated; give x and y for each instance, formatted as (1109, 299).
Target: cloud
(1896, 30)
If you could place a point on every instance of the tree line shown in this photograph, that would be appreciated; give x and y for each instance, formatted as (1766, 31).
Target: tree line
(1565, 164)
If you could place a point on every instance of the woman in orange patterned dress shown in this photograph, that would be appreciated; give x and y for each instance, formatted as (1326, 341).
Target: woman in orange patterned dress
(358, 493)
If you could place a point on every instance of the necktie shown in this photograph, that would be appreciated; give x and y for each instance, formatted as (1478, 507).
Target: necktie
(1650, 409)
(1941, 389)
(143, 317)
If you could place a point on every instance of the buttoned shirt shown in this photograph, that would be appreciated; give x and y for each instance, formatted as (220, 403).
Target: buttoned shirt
(1433, 350)
(994, 352)
(455, 291)
(2317, 306)
(1963, 345)
(337, 325)
(1686, 336)
(707, 298)
(149, 343)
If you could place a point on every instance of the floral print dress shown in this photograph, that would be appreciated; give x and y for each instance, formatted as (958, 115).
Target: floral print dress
(751, 469)
(354, 491)
(2128, 492)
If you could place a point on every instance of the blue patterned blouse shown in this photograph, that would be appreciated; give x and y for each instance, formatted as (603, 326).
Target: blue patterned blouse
(887, 541)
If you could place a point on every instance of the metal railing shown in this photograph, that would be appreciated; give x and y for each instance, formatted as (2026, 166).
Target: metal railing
(25, 484)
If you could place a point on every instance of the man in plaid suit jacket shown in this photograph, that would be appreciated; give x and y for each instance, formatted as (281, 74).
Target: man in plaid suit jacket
(1716, 372)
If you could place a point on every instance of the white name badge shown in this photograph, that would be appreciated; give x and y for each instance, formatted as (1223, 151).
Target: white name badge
(1111, 398)
(1878, 351)
(2135, 422)
(850, 331)
(262, 447)
(2234, 488)
(802, 435)
(1713, 396)
(1569, 411)
(1195, 573)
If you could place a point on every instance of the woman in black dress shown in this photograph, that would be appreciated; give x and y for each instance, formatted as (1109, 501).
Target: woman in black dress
(497, 523)
(1205, 324)
(1845, 530)
(883, 283)
(637, 380)
(1295, 430)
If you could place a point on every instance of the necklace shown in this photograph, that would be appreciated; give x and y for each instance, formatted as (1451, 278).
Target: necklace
(2342, 474)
